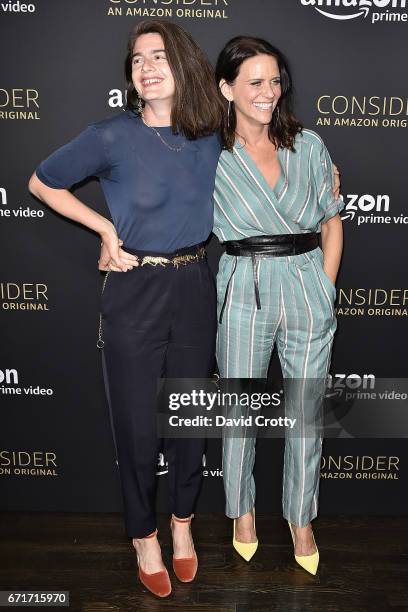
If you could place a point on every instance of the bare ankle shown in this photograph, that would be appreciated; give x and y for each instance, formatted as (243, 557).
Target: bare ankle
(180, 521)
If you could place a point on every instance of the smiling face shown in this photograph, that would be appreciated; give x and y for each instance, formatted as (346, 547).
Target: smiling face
(256, 90)
(151, 73)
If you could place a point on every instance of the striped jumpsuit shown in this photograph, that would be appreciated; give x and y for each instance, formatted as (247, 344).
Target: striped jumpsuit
(297, 308)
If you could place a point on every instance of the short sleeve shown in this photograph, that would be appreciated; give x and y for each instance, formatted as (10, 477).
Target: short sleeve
(324, 175)
(82, 157)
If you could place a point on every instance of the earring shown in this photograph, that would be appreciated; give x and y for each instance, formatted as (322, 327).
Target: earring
(139, 105)
(228, 113)
(277, 115)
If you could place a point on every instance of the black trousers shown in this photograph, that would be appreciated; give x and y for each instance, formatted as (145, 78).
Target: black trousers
(157, 321)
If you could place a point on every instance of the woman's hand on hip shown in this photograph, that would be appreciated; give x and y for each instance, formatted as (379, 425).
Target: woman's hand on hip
(112, 257)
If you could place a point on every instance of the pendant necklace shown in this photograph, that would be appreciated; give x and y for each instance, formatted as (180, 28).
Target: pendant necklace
(176, 149)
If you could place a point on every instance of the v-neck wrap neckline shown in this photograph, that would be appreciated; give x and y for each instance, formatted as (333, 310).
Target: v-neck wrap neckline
(273, 193)
(246, 205)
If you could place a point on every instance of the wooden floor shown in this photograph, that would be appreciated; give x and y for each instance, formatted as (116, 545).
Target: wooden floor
(363, 565)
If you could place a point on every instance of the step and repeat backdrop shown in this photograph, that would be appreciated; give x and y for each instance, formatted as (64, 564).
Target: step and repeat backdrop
(62, 68)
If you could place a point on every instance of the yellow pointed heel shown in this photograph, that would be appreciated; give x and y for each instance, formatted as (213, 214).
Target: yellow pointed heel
(245, 549)
(308, 562)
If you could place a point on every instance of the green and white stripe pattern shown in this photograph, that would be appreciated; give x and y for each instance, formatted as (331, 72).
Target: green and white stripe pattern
(297, 310)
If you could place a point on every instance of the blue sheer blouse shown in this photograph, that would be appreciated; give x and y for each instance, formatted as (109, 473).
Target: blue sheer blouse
(159, 199)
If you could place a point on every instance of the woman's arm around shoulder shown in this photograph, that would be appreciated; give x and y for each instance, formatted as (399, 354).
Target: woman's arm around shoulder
(316, 139)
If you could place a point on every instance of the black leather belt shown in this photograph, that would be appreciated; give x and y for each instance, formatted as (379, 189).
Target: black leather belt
(267, 246)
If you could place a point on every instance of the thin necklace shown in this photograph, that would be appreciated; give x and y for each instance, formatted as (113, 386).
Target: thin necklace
(176, 149)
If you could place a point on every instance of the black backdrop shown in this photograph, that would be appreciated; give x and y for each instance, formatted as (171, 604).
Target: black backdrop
(61, 70)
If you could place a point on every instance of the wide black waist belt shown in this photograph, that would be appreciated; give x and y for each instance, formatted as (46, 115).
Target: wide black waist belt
(267, 246)
(274, 246)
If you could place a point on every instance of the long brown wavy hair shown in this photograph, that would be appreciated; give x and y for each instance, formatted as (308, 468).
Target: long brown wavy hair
(283, 126)
(197, 109)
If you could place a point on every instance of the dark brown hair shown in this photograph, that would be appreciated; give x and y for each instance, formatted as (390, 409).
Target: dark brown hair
(197, 109)
(283, 126)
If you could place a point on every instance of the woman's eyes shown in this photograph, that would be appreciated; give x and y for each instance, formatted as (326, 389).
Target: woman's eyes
(137, 61)
(274, 83)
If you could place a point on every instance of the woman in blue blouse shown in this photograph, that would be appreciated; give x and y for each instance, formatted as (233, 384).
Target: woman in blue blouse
(156, 164)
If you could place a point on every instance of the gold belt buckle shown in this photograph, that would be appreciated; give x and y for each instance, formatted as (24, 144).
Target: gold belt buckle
(155, 261)
(179, 260)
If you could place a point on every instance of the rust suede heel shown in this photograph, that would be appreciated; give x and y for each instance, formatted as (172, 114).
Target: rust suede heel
(185, 568)
(158, 583)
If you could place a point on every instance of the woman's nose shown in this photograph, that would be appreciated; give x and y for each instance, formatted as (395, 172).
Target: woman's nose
(147, 66)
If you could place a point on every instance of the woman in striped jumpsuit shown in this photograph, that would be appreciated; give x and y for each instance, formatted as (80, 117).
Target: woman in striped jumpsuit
(273, 193)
